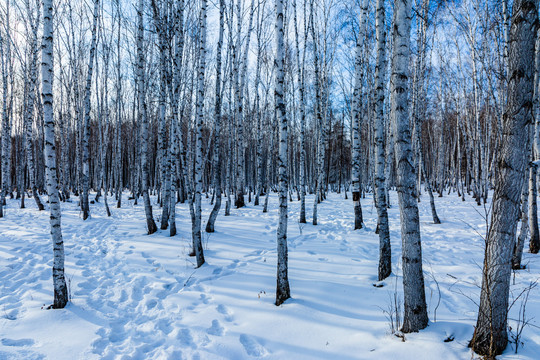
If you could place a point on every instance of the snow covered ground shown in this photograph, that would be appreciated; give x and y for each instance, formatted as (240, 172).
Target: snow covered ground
(139, 297)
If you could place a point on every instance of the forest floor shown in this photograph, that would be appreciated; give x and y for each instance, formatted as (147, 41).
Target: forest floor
(135, 296)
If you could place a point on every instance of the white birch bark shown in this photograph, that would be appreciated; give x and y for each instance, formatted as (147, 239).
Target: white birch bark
(142, 110)
(534, 244)
(385, 255)
(119, 160)
(415, 315)
(283, 291)
(47, 75)
(6, 130)
(302, 106)
(490, 336)
(217, 125)
(30, 109)
(357, 101)
(196, 225)
(85, 179)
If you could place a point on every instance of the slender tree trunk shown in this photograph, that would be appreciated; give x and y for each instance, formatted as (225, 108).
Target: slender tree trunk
(385, 254)
(217, 127)
(85, 205)
(356, 121)
(30, 111)
(47, 75)
(151, 225)
(6, 131)
(196, 224)
(534, 244)
(283, 291)
(415, 315)
(490, 336)
(319, 171)
(119, 163)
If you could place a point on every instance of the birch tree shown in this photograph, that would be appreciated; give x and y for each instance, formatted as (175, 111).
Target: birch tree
(217, 125)
(85, 179)
(415, 315)
(31, 105)
(47, 75)
(283, 291)
(6, 124)
(490, 335)
(357, 119)
(142, 111)
(196, 223)
(385, 255)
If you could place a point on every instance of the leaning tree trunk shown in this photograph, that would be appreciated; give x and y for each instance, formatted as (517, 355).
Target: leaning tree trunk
(151, 225)
(415, 315)
(47, 74)
(196, 223)
(385, 254)
(490, 335)
(283, 291)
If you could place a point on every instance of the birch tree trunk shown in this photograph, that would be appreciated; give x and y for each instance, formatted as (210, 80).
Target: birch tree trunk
(302, 105)
(415, 315)
(490, 336)
(30, 111)
(6, 131)
(217, 127)
(385, 254)
(534, 244)
(524, 230)
(165, 183)
(283, 291)
(47, 75)
(119, 162)
(175, 123)
(357, 119)
(319, 171)
(85, 179)
(196, 224)
(151, 225)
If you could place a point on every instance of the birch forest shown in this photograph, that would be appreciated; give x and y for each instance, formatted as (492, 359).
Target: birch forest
(280, 179)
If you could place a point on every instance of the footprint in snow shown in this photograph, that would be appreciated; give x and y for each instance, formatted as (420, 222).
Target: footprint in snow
(223, 310)
(252, 346)
(164, 325)
(204, 298)
(216, 328)
(185, 337)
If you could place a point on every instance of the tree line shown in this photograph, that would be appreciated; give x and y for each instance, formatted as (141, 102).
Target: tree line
(236, 99)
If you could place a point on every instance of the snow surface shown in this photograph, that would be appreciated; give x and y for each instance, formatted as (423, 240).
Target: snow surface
(136, 296)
